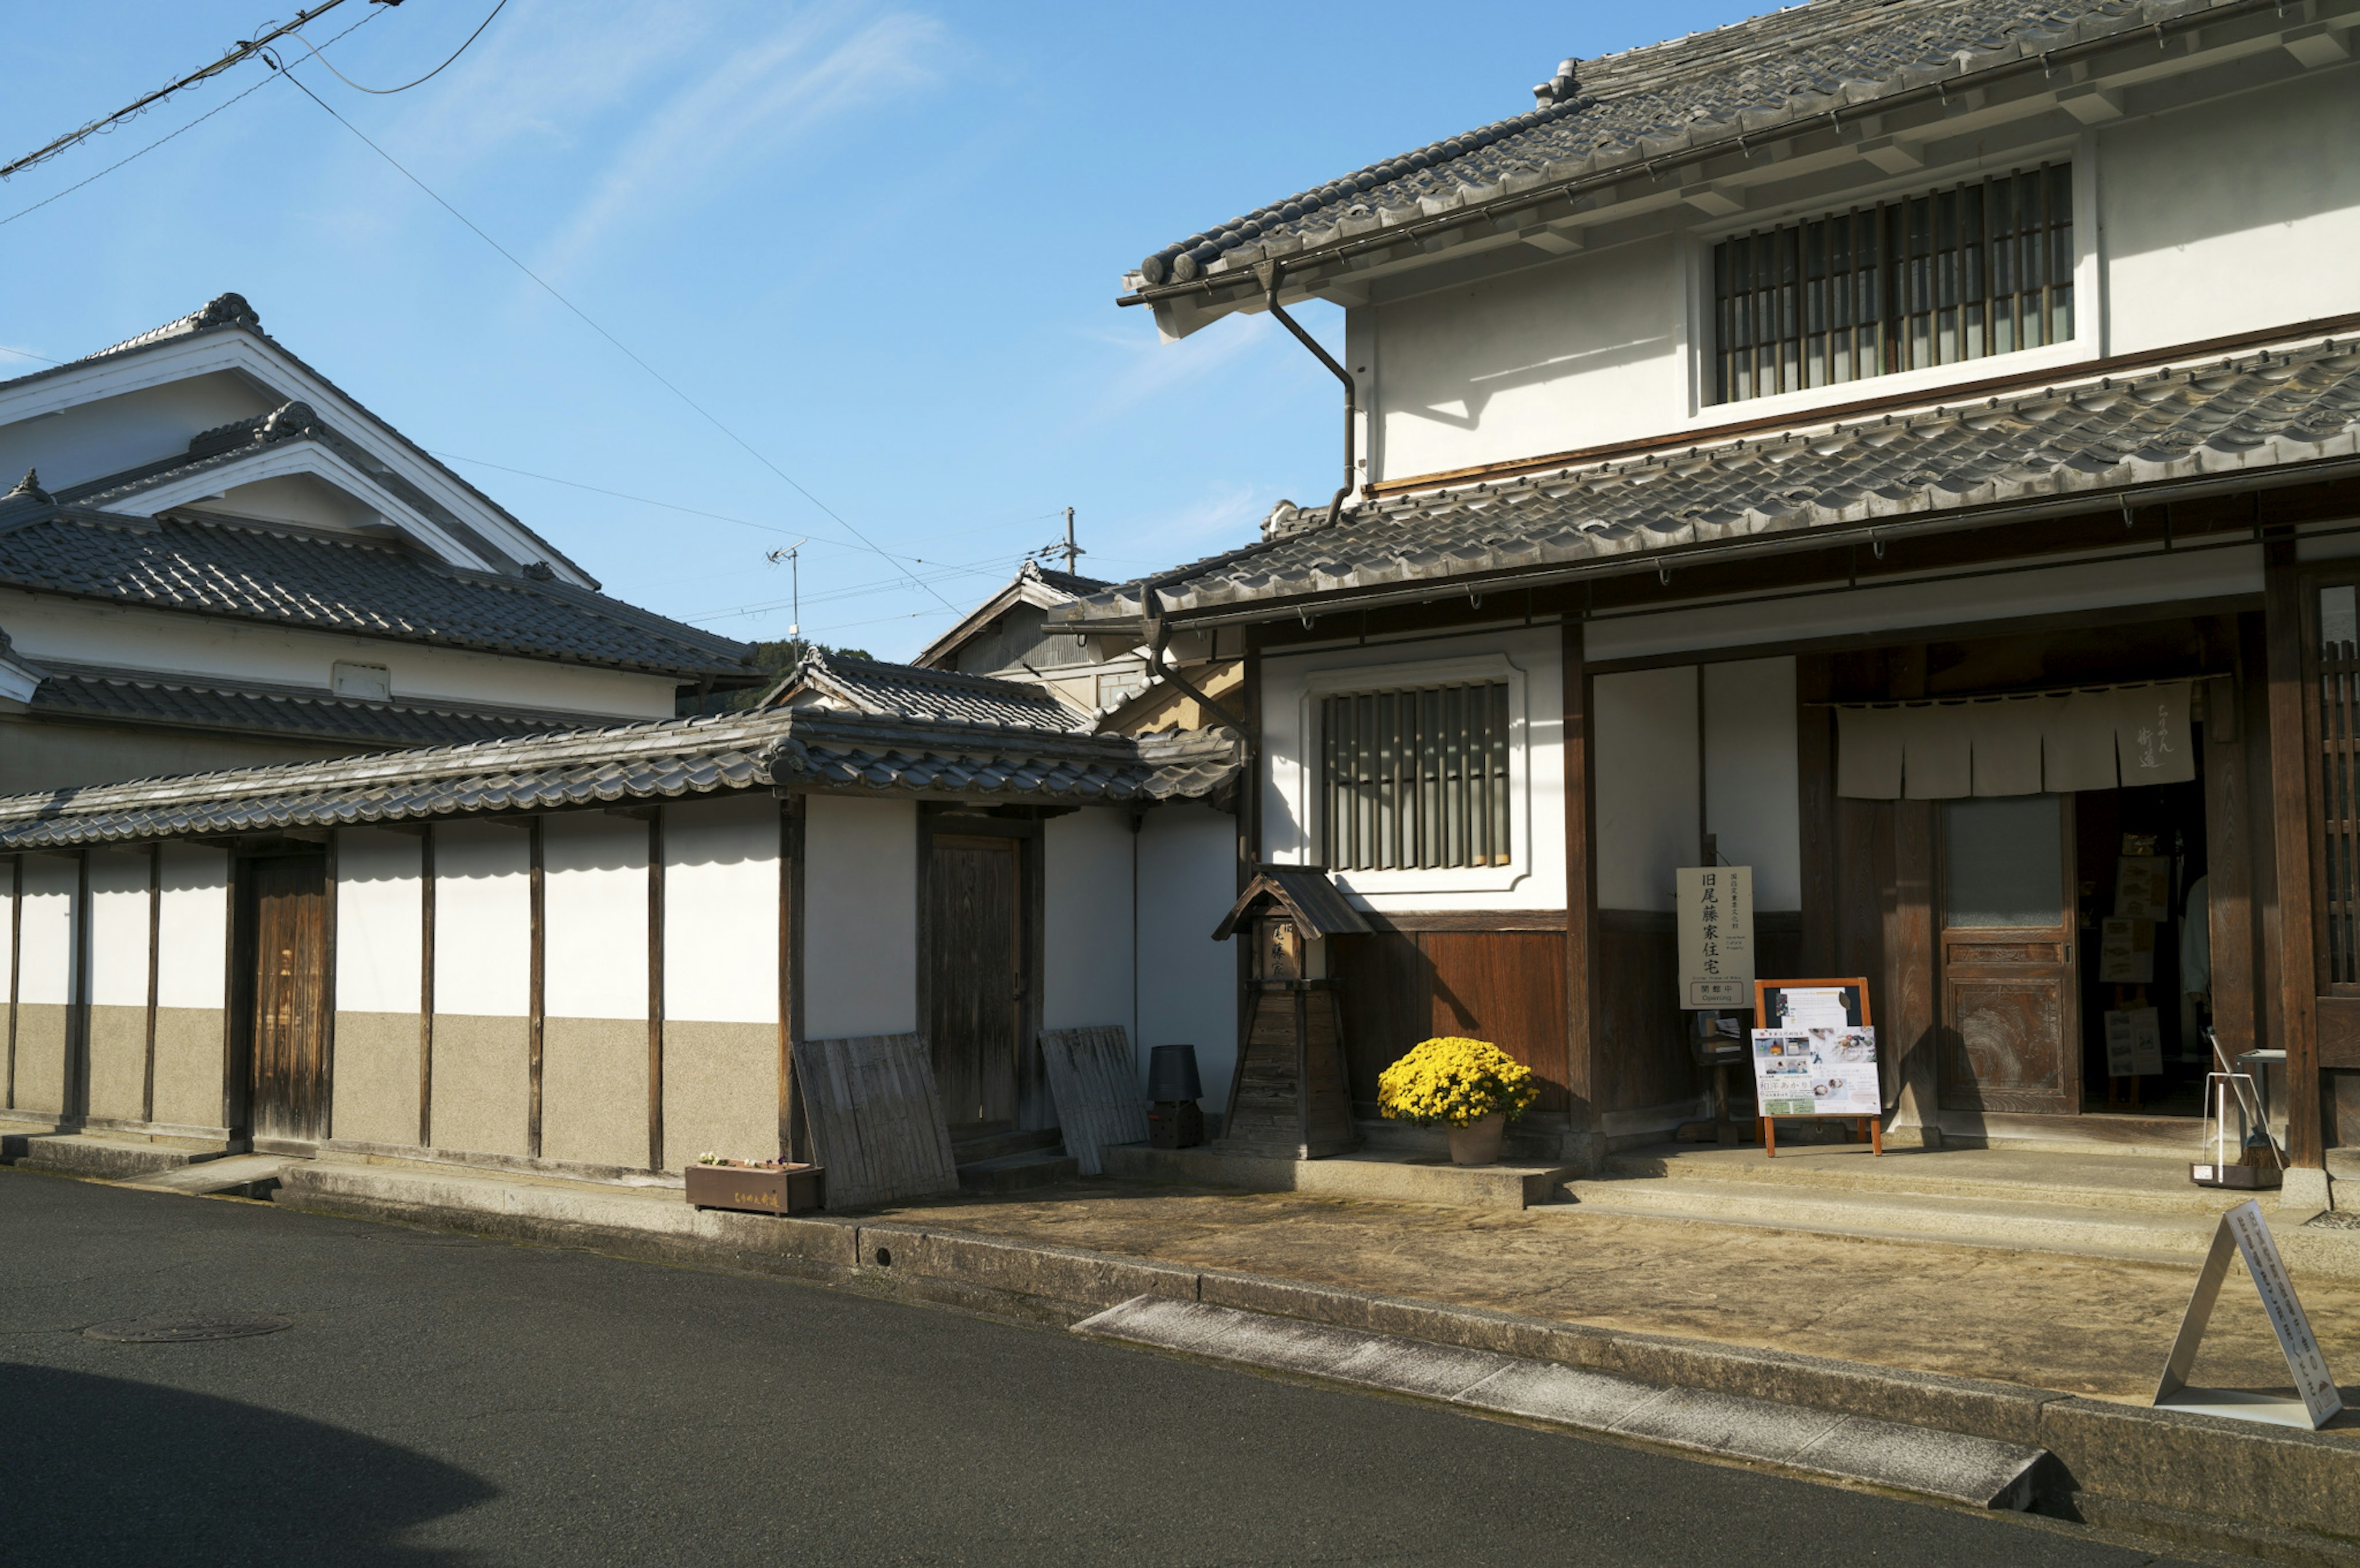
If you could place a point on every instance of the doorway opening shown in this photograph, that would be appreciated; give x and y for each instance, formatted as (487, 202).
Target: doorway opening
(282, 982)
(2145, 949)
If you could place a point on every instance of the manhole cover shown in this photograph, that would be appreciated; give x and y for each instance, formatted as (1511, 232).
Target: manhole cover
(188, 1329)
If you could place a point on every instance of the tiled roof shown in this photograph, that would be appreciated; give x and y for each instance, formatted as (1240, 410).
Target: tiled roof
(912, 692)
(670, 758)
(294, 577)
(2257, 413)
(126, 697)
(1651, 102)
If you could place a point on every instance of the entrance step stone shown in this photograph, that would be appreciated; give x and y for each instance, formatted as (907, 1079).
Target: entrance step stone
(108, 1159)
(238, 1175)
(1016, 1172)
(1370, 1175)
(1001, 1142)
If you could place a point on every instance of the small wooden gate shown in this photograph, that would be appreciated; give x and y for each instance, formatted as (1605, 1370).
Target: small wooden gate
(975, 1000)
(287, 1082)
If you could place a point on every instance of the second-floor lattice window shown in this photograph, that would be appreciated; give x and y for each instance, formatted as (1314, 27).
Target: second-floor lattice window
(1978, 270)
(1415, 778)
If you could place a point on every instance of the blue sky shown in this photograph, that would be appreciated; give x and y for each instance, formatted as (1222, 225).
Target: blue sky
(881, 243)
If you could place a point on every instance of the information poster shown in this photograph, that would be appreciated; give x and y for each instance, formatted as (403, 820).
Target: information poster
(1716, 919)
(2127, 952)
(1823, 1070)
(2133, 1042)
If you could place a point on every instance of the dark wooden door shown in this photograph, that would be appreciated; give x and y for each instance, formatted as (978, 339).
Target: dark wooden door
(288, 1081)
(976, 976)
(2011, 1014)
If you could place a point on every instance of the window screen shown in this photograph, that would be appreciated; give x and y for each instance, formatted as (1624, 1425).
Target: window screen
(1978, 270)
(1415, 778)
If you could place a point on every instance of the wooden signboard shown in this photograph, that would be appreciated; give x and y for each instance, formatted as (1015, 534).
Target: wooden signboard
(1821, 1042)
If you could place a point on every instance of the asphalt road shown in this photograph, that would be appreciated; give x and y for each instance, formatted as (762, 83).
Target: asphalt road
(444, 1400)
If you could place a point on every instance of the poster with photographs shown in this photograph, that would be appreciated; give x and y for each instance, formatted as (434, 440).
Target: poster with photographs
(1826, 1069)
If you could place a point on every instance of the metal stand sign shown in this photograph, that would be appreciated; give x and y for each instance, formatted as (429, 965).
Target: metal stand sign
(2243, 1230)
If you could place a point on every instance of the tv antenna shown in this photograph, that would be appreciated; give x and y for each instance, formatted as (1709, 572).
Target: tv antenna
(792, 555)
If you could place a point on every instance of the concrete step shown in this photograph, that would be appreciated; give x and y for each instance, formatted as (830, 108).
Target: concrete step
(1368, 1176)
(2098, 1181)
(236, 1175)
(1001, 1143)
(1957, 1467)
(1017, 1173)
(108, 1158)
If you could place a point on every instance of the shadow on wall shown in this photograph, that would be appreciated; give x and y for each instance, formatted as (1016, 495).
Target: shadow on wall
(103, 1470)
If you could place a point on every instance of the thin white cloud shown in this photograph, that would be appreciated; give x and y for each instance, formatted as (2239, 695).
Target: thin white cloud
(818, 65)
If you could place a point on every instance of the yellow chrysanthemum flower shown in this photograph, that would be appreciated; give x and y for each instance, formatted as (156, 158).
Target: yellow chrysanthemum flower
(1454, 1081)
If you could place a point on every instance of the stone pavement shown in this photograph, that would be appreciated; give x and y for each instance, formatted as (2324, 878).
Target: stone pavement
(2093, 1326)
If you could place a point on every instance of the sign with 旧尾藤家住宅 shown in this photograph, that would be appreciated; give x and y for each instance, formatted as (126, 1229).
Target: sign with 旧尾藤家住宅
(1716, 922)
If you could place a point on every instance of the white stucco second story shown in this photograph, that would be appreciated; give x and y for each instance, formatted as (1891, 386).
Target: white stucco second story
(1845, 201)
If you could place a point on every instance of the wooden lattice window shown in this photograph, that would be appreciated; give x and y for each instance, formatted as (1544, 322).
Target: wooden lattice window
(1415, 778)
(1980, 268)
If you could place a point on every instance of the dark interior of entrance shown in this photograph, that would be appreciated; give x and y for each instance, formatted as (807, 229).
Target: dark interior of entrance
(2112, 829)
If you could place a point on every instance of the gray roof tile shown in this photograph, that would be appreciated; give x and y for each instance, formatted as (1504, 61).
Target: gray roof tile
(1662, 99)
(256, 573)
(917, 691)
(126, 697)
(806, 748)
(2255, 413)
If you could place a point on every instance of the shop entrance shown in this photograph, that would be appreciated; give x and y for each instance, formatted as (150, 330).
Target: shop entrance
(2141, 893)
(2010, 1008)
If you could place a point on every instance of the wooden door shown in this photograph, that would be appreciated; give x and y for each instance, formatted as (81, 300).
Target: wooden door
(976, 976)
(2011, 1017)
(287, 1080)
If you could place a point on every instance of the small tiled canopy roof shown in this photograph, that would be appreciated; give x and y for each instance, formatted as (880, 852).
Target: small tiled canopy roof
(1747, 79)
(252, 571)
(2274, 414)
(142, 697)
(919, 691)
(1305, 893)
(785, 749)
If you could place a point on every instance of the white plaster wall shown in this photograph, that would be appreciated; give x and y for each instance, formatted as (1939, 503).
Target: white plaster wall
(79, 632)
(380, 921)
(483, 920)
(860, 903)
(595, 915)
(45, 951)
(1578, 353)
(1288, 794)
(119, 929)
(721, 910)
(2234, 215)
(1187, 981)
(1643, 751)
(116, 433)
(1087, 957)
(193, 927)
(1751, 782)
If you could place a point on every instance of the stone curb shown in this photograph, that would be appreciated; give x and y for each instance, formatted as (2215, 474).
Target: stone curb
(2200, 1479)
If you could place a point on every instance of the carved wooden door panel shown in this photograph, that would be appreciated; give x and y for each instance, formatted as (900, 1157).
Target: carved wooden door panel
(2011, 1018)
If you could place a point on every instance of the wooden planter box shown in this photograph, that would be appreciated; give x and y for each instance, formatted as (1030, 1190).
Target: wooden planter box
(796, 1190)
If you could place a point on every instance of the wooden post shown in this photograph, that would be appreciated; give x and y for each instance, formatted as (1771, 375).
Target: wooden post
(1581, 1069)
(2293, 750)
(655, 987)
(426, 987)
(155, 945)
(536, 984)
(2230, 851)
(1815, 758)
(325, 1127)
(791, 1135)
(76, 1097)
(16, 964)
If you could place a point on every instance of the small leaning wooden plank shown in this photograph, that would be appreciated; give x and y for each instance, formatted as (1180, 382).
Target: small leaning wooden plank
(1094, 1079)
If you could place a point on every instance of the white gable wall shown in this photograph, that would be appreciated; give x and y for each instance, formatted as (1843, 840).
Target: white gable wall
(91, 439)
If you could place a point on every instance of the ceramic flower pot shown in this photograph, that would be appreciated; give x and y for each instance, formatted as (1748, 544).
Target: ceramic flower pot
(1479, 1144)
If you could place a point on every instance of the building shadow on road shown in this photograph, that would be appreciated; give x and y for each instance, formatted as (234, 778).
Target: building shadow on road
(104, 1470)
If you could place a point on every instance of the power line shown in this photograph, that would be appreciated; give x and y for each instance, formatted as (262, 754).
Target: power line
(168, 136)
(619, 344)
(388, 91)
(241, 53)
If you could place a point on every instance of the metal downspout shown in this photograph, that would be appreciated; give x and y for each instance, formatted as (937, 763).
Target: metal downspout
(1271, 272)
(1156, 662)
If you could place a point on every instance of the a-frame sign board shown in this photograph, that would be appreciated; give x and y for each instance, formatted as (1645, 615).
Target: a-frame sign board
(2242, 1230)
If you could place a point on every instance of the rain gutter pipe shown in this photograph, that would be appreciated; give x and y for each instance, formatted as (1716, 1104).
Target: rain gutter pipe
(1270, 271)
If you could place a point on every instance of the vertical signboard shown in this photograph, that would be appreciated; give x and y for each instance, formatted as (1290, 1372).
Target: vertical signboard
(1716, 920)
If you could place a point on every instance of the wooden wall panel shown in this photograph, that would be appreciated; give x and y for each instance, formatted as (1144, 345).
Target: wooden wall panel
(1380, 983)
(1642, 1055)
(1507, 988)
